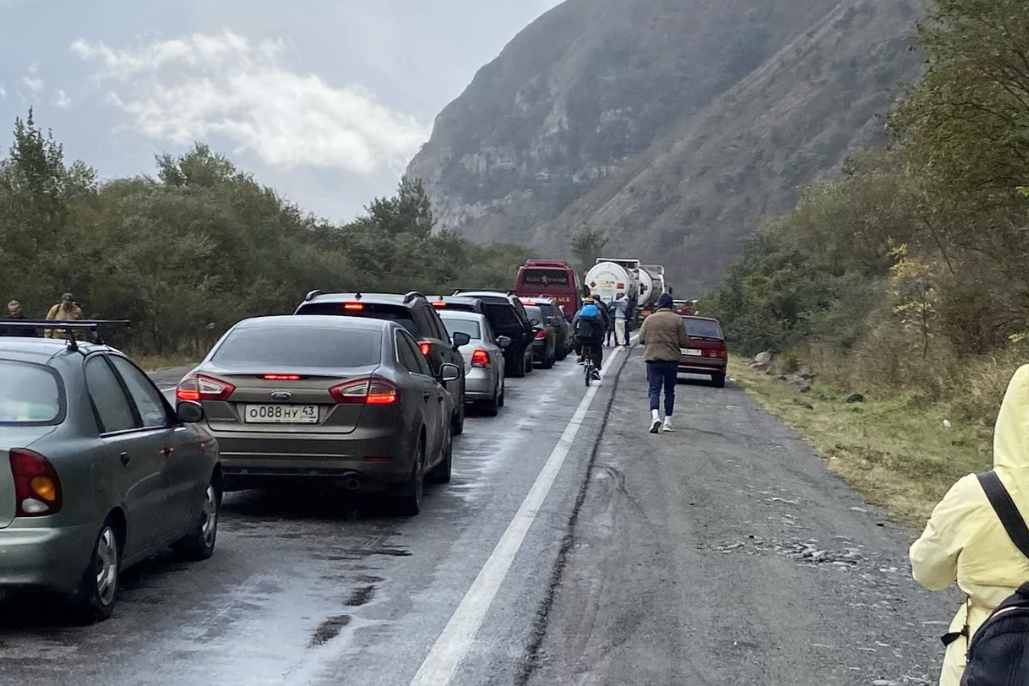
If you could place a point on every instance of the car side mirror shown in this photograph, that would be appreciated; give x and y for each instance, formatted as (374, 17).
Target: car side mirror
(503, 341)
(449, 372)
(461, 339)
(189, 412)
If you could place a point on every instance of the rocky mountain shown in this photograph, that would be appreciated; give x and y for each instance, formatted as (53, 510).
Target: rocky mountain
(674, 126)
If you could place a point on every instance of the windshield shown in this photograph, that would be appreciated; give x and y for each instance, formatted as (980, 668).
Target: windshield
(299, 346)
(703, 328)
(29, 394)
(468, 326)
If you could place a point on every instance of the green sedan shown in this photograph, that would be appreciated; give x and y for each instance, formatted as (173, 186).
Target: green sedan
(97, 471)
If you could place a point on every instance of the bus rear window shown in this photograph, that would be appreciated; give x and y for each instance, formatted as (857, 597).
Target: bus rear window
(545, 278)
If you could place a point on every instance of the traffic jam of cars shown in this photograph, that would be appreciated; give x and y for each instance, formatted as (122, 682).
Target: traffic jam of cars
(360, 391)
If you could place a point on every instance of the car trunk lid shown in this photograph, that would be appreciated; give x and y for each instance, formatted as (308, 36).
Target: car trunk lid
(295, 400)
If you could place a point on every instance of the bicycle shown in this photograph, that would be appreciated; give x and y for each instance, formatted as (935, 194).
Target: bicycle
(589, 370)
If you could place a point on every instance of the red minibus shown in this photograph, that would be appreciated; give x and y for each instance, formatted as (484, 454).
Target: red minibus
(552, 279)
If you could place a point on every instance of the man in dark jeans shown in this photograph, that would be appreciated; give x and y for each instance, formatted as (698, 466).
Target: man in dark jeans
(663, 336)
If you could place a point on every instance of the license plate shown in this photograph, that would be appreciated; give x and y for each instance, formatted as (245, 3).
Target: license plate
(692, 352)
(280, 414)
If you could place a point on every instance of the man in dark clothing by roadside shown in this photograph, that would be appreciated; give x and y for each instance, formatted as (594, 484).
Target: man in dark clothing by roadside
(663, 336)
(15, 313)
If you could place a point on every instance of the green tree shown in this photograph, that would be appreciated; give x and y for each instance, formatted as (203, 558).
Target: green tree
(587, 245)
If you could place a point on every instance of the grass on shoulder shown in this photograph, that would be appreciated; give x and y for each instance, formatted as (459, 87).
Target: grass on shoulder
(895, 451)
(156, 363)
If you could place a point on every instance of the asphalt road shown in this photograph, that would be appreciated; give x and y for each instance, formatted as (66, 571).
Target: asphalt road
(311, 589)
(571, 548)
(727, 553)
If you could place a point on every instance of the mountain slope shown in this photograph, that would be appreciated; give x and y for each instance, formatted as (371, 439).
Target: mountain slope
(672, 125)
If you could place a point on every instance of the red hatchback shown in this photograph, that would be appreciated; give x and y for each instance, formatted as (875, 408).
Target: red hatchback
(705, 353)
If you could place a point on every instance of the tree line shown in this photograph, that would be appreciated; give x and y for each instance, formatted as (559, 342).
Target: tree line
(188, 252)
(911, 267)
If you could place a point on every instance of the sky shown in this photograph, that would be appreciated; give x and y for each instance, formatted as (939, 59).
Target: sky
(324, 100)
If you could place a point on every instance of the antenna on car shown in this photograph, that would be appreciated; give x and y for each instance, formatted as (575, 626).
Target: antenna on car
(358, 296)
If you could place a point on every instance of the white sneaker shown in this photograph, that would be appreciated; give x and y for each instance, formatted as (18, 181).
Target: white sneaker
(655, 421)
(667, 426)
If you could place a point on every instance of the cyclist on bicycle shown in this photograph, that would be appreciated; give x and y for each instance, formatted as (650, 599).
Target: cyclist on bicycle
(590, 327)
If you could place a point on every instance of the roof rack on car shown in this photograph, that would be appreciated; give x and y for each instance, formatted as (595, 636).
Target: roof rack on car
(70, 327)
(312, 295)
(412, 295)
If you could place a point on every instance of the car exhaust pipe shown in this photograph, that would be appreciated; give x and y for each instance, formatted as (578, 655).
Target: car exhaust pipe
(352, 484)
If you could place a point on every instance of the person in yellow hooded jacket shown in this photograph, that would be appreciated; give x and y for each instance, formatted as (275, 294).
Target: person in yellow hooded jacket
(965, 542)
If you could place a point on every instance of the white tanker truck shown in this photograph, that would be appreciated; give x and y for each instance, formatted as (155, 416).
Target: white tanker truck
(609, 277)
(652, 286)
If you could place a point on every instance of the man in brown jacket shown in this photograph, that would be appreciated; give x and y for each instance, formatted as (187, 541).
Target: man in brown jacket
(663, 336)
(65, 311)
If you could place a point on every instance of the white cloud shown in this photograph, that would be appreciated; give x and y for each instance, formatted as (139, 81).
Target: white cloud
(33, 82)
(61, 99)
(190, 88)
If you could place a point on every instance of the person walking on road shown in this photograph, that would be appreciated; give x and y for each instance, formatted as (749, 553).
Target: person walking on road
(663, 335)
(619, 309)
(965, 542)
(65, 311)
(15, 313)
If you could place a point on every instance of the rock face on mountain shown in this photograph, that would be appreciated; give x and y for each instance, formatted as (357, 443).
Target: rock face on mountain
(674, 126)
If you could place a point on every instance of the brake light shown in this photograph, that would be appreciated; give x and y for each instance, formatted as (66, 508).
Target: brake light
(439, 303)
(717, 353)
(353, 306)
(480, 358)
(37, 488)
(372, 391)
(425, 347)
(541, 335)
(281, 377)
(198, 387)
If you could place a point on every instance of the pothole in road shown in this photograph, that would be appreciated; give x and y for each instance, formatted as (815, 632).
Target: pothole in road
(805, 553)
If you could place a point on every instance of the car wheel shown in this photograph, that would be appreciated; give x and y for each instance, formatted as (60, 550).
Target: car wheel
(94, 600)
(409, 502)
(457, 423)
(491, 408)
(199, 543)
(500, 398)
(529, 366)
(719, 380)
(442, 473)
(548, 362)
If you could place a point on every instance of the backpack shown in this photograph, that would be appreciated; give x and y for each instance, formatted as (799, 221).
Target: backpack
(588, 325)
(998, 654)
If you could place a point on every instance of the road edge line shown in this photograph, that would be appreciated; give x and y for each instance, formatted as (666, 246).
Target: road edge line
(450, 648)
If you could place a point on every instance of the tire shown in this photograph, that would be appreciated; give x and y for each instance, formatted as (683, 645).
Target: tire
(529, 366)
(199, 543)
(491, 408)
(442, 473)
(517, 368)
(457, 423)
(94, 600)
(501, 399)
(718, 380)
(409, 501)
(548, 363)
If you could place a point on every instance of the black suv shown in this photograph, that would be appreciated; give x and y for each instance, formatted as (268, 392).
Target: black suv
(507, 316)
(414, 313)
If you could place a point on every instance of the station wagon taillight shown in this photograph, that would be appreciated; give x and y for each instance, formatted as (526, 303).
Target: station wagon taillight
(353, 307)
(541, 335)
(37, 488)
(198, 387)
(425, 347)
(371, 391)
(480, 358)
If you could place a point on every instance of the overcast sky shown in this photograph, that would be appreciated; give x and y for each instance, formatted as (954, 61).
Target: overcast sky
(326, 100)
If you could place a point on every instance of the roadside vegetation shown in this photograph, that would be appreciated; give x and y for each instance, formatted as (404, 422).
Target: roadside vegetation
(191, 250)
(906, 279)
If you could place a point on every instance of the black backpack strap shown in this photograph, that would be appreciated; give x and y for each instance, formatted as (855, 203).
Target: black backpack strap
(1006, 510)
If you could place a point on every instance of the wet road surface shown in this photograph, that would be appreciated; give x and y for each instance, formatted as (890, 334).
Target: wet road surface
(311, 589)
(727, 553)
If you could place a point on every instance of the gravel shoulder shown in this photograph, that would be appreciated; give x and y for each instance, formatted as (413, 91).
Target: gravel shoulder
(728, 553)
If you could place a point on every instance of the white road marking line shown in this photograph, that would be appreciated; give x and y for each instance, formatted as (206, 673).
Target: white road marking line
(453, 644)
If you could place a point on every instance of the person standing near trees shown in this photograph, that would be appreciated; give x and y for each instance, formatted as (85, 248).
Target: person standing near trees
(65, 311)
(15, 313)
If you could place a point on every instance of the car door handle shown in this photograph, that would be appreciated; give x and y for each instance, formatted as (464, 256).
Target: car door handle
(166, 451)
(125, 459)
(425, 397)
(439, 398)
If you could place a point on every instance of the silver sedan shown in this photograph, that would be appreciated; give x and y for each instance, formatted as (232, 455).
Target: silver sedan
(483, 358)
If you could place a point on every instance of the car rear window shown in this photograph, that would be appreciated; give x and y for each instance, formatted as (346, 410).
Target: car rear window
(394, 313)
(534, 313)
(468, 326)
(299, 346)
(29, 394)
(503, 316)
(703, 328)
